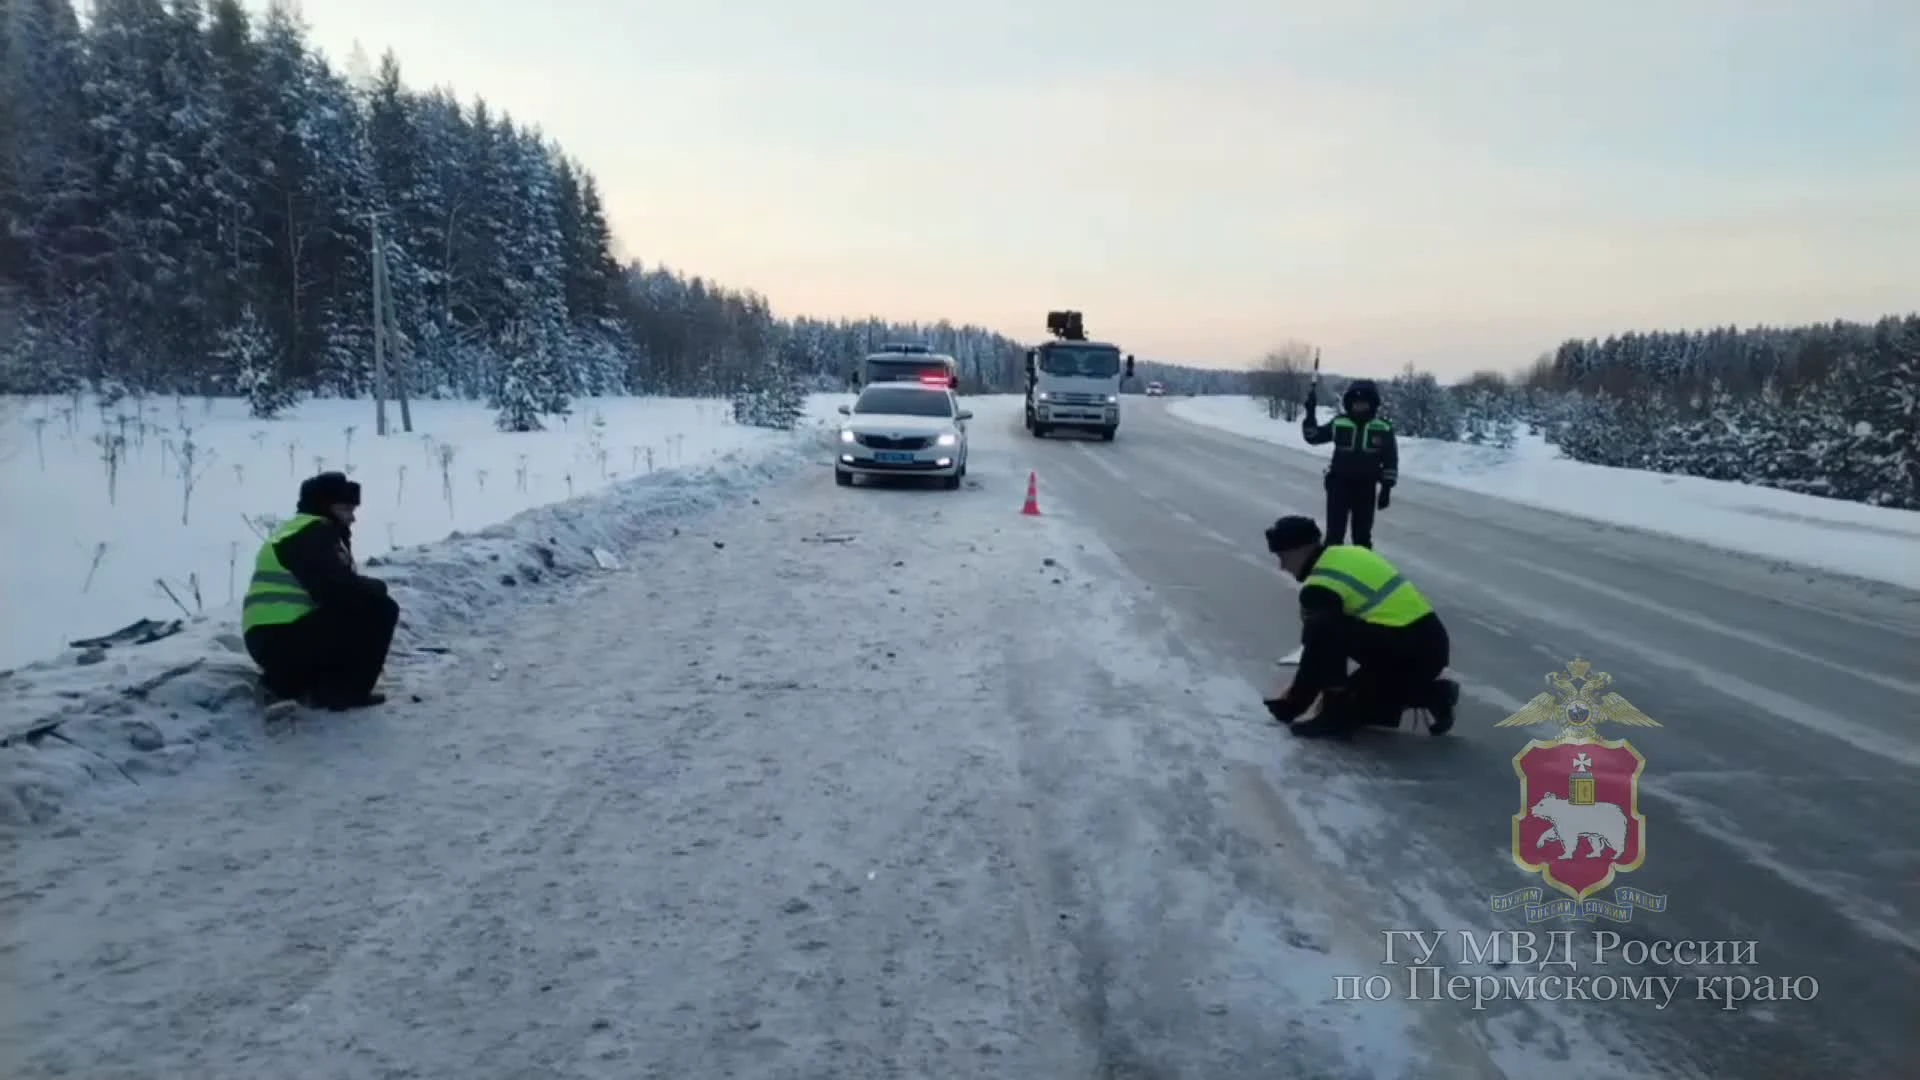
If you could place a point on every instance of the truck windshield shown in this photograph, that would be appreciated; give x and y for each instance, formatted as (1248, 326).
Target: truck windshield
(904, 402)
(1088, 361)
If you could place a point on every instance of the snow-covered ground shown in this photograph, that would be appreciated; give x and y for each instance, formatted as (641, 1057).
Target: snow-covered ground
(786, 794)
(87, 715)
(91, 549)
(1865, 541)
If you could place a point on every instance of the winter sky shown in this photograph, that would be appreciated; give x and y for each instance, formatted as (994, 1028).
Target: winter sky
(1454, 183)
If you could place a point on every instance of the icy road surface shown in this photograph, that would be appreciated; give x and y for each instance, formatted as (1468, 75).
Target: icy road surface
(845, 784)
(1779, 793)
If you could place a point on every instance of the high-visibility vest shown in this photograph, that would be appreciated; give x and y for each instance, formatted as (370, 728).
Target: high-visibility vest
(274, 596)
(1370, 589)
(1361, 437)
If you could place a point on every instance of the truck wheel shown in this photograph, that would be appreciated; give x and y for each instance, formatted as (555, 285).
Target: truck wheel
(1040, 430)
(1106, 433)
(842, 478)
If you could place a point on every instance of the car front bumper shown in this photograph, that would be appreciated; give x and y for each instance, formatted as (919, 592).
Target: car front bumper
(936, 461)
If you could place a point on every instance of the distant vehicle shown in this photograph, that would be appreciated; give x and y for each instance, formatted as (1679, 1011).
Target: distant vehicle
(908, 363)
(1072, 382)
(1156, 389)
(904, 429)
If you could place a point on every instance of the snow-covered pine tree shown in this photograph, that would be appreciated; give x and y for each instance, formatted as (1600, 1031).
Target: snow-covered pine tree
(527, 385)
(247, 349)
(20, 346)
(784, 401)
(747, 404)
(515, 403)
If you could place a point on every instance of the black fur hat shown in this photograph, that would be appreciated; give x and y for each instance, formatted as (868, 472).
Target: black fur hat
(317, 493)
(1292, 531)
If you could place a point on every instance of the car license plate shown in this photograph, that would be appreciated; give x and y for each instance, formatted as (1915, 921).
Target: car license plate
(892, 457)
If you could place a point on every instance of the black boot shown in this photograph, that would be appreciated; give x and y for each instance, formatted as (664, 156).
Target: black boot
(1333, 720)
(1442, 697)
(347, 702)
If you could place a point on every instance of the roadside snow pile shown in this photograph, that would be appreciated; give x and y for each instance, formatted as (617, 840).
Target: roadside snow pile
(150, 701)
(152, 509)
(1872, 542)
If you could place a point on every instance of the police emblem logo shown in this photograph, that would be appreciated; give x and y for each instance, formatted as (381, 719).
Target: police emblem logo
(1579, 823)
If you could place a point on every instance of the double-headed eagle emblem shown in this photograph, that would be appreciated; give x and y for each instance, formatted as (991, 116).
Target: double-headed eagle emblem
(1578, 703)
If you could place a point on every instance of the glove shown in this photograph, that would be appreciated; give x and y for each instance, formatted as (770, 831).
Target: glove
(1282, 710)
(1386, 497)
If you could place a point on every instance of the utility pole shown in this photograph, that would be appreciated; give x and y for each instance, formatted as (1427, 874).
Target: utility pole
(390, 324)
(389, 373)
(379, 327)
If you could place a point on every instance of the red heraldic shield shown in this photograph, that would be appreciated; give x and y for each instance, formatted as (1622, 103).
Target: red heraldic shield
(1579, 822)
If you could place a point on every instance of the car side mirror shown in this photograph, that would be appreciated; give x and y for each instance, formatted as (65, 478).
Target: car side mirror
(963, 415)
(846, 410)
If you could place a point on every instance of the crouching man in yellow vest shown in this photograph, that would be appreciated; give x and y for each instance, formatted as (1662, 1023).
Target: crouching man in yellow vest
(1355, 607)
(319, 630)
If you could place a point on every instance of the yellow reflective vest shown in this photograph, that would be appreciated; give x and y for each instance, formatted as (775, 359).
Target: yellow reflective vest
(274, 596)
(1369, 587)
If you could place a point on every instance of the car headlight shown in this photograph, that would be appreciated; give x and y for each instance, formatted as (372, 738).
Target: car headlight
(1113, 399)
(846, 435)
(1043, 395)
(947, 439)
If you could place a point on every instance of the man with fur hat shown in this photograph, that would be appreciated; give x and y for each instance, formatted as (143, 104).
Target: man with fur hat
(1365, 465)
(317, 627)
(1356, 609)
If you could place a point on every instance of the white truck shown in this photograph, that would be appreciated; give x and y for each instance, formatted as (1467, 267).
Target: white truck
(1072, 382)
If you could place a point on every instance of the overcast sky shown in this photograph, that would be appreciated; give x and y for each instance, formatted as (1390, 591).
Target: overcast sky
(1451, 183)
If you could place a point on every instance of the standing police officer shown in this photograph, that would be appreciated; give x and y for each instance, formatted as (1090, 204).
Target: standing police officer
(1365, 465)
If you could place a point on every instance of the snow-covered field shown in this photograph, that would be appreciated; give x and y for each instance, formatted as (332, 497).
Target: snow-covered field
(1865, 541)
(791, 795)
(170, 529)
(77, 717)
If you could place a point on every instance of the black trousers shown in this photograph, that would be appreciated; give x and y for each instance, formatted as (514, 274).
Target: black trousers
(1394, 668)
(336, 654)
(1350, 499)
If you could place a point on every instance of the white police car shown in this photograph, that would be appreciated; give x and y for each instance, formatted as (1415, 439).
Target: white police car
(903, 429)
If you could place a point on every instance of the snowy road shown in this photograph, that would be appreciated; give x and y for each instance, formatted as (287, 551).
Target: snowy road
(898, 783)
(1779, 793)
(934, 801)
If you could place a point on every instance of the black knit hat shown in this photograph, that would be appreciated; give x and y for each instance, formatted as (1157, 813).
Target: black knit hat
(1292, 531)
(328, 489)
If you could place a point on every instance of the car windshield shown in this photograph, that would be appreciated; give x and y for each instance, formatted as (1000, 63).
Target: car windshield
(899, 401)
(1092, 361)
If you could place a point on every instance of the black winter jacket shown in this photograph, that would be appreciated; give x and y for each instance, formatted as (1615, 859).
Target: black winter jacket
(1364, 451)
(320, 557)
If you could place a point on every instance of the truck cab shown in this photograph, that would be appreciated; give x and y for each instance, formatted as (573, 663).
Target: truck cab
(1072, 382)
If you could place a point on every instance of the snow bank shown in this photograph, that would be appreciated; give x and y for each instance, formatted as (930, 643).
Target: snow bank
(87, 559)
(1871, 542)
(118, 712)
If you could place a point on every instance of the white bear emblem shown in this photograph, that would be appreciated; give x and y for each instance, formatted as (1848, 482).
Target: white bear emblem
(1603, 823)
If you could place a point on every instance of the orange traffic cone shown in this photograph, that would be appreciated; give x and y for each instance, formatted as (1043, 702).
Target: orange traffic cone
(1032, 509)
